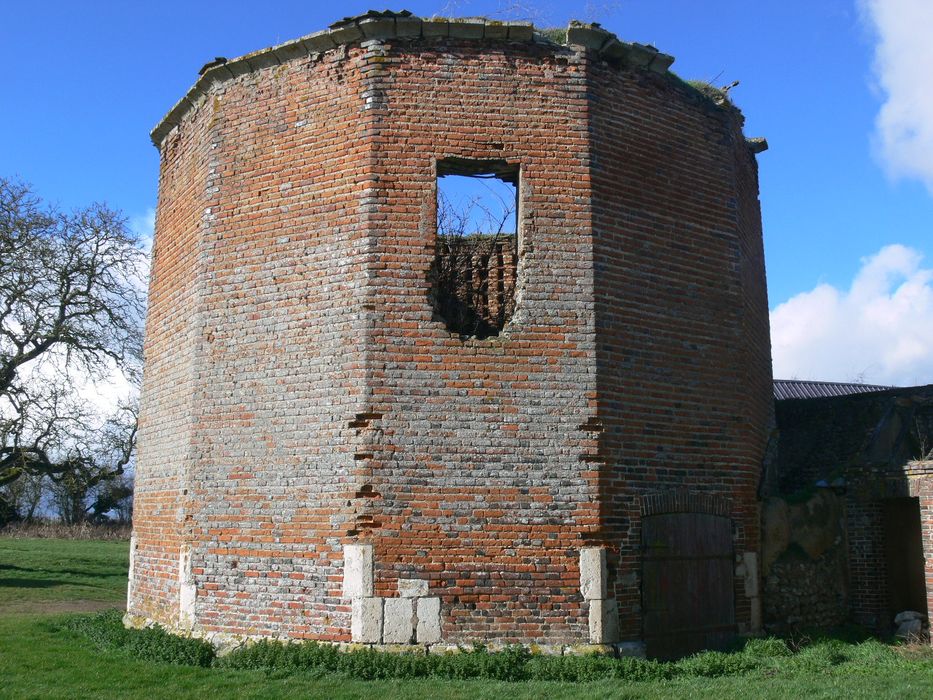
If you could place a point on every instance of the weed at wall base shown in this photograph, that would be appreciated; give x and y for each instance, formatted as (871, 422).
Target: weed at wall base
(105, 630)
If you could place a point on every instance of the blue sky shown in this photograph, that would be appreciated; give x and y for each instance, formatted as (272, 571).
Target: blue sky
(84, 83)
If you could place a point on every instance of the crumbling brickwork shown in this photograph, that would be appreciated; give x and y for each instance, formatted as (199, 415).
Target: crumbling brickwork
(304, 405)
(473, 282)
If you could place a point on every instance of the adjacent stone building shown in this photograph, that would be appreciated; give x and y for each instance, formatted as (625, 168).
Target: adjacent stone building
(848, 531)
(324, 455)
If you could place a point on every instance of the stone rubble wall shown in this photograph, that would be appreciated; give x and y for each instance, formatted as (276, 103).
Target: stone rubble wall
(865, 448)
(804, 565)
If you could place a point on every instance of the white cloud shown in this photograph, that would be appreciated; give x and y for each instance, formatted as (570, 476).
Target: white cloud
(903, 65)
(143, 226)
(879, 331)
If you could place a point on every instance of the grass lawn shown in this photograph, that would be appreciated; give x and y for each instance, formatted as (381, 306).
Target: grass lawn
(47, 575)
(40, 580)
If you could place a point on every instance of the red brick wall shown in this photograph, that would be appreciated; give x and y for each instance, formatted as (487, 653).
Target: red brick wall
(477, 462)
(319, 400)
(922, 488)
(281, 375)
(683, 361)
(171, 353)
(275, 338)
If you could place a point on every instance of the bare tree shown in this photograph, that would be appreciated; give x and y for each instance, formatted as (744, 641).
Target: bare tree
(116, 498)
(71, 310)
(24, 496)
(93, 463)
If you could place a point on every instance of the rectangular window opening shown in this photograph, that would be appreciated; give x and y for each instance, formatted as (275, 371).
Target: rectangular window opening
(476, 250)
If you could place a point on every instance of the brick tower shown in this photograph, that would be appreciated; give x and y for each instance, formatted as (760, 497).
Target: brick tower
(326, 454)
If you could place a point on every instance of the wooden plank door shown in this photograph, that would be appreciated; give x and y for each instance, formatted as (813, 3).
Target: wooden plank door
(688, 601)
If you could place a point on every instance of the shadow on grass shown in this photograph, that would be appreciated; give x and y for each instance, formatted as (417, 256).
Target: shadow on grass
(84, 573)
(39, 577)
(30, 583)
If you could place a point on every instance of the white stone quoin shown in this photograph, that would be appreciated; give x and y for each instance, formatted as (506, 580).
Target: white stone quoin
(366, 620)
(412, 587)
(604, 621)
(398, 625)
(357, 571)
(187, 590)
(129, 582)
(603, 613)
(429, 621)
(593, 573)
(748, 570)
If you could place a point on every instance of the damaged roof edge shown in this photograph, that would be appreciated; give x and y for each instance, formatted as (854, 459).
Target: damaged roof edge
(405, 25)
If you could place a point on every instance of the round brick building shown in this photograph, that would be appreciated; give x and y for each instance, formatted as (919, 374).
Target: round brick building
(326, 453)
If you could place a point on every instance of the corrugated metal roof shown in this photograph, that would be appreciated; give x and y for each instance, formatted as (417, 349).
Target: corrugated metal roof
(796, 389)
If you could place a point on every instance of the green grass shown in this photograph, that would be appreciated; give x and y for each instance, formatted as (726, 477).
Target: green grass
(51, 575)
(45, 654)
